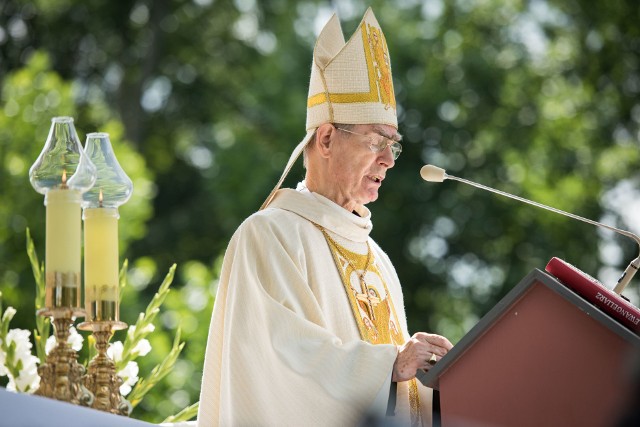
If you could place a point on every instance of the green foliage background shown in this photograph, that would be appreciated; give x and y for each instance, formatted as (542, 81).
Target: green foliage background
(205, 99)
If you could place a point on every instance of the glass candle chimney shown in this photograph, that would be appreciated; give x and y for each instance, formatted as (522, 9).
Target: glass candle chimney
(100, 213)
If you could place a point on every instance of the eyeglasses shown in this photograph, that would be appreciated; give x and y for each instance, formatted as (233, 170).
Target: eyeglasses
(379, 143)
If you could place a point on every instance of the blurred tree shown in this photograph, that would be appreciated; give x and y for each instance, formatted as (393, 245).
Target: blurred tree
(538, 98)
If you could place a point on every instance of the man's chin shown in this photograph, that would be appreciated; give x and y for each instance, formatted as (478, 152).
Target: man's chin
(371, 197)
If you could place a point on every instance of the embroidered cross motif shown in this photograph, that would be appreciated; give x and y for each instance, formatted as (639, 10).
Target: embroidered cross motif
(370, 299)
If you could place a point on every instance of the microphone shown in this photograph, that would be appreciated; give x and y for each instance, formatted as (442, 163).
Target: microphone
(435, 174)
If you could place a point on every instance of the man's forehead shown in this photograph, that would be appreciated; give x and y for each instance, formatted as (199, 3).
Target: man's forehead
(387, 131)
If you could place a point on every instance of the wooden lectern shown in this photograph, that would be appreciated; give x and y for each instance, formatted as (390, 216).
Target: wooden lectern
(543, 356)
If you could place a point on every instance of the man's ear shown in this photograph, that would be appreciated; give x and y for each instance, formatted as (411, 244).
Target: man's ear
(325, 136)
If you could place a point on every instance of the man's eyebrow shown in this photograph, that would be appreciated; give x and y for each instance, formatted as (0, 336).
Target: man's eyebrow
(396, 137)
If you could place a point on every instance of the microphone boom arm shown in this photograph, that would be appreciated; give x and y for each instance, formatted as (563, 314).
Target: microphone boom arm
(628, 273)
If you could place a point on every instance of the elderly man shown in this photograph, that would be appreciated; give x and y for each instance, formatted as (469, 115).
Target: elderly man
(308, 326)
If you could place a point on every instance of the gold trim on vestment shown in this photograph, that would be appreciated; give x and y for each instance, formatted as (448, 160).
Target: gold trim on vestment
(375, 315)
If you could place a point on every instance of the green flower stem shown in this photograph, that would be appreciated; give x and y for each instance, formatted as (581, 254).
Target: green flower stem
(185, 415)
(122, 278)
(145, 319)
(158, 372)
(43, 323)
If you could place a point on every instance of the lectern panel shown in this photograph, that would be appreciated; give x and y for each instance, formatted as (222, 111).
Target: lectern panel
(542, 357)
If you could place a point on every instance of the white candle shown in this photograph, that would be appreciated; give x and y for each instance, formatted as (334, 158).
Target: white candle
(62, 248)
(101, 263)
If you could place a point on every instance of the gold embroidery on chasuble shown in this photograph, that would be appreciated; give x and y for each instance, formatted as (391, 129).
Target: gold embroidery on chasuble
(371, 304)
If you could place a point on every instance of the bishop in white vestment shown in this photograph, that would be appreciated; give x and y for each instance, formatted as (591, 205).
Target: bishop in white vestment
(308, 325)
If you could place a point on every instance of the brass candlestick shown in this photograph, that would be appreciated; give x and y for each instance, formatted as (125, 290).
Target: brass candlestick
(112, 188)
(61, 375)
(101, 378)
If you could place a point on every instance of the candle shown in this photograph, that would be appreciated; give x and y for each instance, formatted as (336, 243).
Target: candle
(62, 248)
(62, 172)
(101, 263)
(112, 188)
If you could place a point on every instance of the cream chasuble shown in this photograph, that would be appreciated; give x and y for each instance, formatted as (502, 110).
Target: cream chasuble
(284, 347)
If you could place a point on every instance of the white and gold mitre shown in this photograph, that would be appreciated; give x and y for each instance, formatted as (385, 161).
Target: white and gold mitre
(350, 82)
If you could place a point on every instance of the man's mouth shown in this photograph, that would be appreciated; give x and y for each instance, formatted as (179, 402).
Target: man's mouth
(376, 178)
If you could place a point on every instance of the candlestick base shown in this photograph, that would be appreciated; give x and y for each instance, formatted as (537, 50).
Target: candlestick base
(101, 378)
(61, 375)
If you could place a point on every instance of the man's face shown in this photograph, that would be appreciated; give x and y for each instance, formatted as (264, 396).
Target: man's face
(356, 171)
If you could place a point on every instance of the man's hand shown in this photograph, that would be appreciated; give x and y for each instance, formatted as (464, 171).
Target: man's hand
(415, 354)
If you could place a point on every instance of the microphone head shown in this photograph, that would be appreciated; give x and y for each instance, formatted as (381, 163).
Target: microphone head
(432, 173)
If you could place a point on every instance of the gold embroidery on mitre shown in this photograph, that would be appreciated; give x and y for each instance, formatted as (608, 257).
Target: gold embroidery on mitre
(374, 313)
(378, 63)
(378, 45)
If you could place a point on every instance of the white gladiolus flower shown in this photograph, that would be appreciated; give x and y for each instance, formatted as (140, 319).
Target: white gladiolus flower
(28, 380)
(75, 340)
(21, 339)
(8, 314)
(143, 348)
(129, 377)
(50, 344)
(115, 351)
(6, 317)
(3, 356)
(147, 330)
